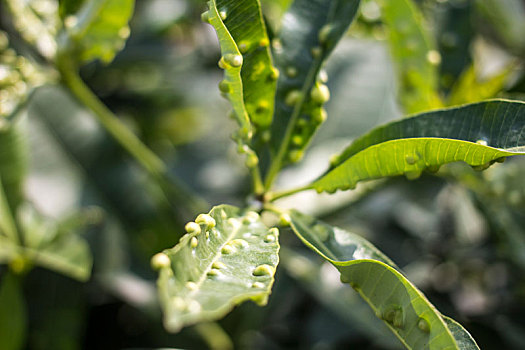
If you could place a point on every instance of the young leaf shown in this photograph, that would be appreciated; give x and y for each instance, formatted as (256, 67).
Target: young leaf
(471, 88)
(403, 308)
(226, 258)
(241, 21)
(12, 313)
(414, 54)
(309, 32)
(477, 134)
(99, 29)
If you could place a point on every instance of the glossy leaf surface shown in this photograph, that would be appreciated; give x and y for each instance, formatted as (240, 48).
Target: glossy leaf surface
(12, 313)
(477, 134)
(414, 55)
(99, 28)
(403, 308)
(216, 267)
(244, 23)
(309, 32)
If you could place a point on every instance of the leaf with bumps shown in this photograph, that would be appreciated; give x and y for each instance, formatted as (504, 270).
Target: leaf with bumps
(227, 257)
(394, 299)
(99, 29)
(231, 61)
(414, 55)
(309, 32)
(478, 134)
(243, 22)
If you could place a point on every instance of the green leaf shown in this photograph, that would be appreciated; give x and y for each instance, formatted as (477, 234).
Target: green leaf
(242, 22)
(48, 246)
(227, 258)
(463, 338)
(231, 61)
(309, 32)
(12, 314)
(477, 134)
(414, 55)
(471, 88)
(99, 29)
(403, 308)
(13, 159)
(321, 281)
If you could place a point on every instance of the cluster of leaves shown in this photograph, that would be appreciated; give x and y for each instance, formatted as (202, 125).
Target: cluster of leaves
(277, 84)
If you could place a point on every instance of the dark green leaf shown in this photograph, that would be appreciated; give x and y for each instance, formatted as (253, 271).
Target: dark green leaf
(477, 134)
(227, 257)
(309, 32)
(12, 313)
(403, 308)
(414, 55)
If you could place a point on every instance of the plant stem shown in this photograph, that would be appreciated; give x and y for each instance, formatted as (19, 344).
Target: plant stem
(214, 336)
(277, 163)
(127, 139)
(272, 196)
(258, 187)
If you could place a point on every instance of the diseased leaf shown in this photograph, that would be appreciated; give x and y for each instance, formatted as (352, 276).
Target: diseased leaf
(414, 55)
(322, 282)
(477, 134)
(227, 257)
(309, 32)
(243, 22)
(463, 338)
(231, 61)
(471, 88)
(403, 308)
(12, 313)
(99, 29)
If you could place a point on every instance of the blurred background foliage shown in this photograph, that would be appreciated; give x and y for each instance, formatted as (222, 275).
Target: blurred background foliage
(459, 236)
